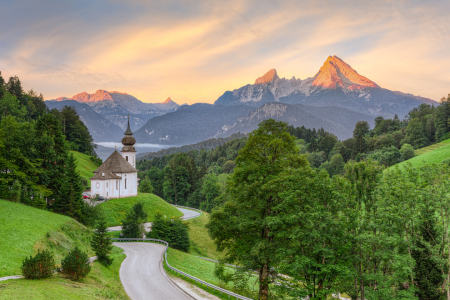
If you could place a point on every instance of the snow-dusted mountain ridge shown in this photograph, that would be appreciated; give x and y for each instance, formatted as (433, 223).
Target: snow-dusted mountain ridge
(335, 84)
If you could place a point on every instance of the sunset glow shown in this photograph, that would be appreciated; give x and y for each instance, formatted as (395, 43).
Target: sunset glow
(195, 51)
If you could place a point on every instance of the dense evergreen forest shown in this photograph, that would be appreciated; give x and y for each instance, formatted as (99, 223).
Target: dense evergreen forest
(36, 165)
(197, 177)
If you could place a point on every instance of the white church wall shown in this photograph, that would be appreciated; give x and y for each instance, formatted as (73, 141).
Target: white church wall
(130, 157)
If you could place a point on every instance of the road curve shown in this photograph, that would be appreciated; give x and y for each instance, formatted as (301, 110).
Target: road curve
(142, 274)
(187, 214)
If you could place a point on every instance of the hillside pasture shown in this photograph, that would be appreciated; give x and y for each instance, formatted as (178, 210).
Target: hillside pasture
(25, 230)
(435, 156)
(115, 210)
(85, 166)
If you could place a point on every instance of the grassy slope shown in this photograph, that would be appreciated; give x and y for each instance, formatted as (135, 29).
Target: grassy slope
(25, 229)
(430, 157)
(84, 165)
(101, 283)
(432, 147)
(116, 209)
(199, 268)
(201, 242)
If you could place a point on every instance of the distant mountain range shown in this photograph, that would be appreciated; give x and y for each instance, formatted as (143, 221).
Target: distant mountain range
(335, 98)
(101, 129)
(116, 106)
(189, 124)
(336, 84)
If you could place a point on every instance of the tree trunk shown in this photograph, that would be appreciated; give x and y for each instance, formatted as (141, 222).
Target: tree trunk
(264, 283)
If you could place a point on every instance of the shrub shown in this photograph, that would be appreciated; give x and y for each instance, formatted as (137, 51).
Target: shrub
(132, 225)
(40, 266)
(173, 231)
(75, 265)
(145, 186)
(407, 151)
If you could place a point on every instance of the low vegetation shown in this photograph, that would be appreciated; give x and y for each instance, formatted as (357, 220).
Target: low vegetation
(25, 230)
(101, 283)
(115, 210)
(201, 242)
(76, 265)
(173, 231)
(203, 269)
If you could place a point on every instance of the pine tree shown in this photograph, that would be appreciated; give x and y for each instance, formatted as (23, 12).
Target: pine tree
(75, 265)
(428, 278)
(101, 244)
(69, 201)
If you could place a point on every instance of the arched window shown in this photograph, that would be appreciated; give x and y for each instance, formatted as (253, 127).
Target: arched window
(126, 158)
(117, 184)
(125, 183)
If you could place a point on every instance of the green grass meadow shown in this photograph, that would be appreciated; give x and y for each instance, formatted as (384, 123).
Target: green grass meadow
(201, 243)
(25, 230)
(115, 210)
(431, 147)
(435, 156)
(84, 165)
(101, 283)
(201, 268)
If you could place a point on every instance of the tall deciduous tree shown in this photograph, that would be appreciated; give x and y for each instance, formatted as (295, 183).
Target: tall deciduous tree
(415, 134)
(361, 130)
(242, 226)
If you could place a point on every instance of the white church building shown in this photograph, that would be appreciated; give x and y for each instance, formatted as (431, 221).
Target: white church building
(117, 176)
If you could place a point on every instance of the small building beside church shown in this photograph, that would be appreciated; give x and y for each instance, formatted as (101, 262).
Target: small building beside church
(117, 176)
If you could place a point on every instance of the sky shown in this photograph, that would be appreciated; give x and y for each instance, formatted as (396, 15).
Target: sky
(194, 51)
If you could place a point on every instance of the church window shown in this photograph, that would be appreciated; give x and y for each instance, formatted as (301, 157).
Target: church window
(125, 183)
(126, 157)
(117, 184)
(98, 185)
(106, 184)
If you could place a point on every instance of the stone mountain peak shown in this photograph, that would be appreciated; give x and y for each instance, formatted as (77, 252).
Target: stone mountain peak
(168, 100)
(335, 72)
(266, 78)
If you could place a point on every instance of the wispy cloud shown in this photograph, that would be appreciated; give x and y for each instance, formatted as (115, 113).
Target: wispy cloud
(193, 51)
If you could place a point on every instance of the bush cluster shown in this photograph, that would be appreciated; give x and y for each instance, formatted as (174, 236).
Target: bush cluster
(40, 266)
(173, 231)
(75, 265)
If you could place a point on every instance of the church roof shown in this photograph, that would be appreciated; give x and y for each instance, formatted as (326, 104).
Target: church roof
(105, 175)
(116, 164)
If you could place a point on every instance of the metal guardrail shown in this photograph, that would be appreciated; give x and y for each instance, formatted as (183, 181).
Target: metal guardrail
(190, 208)
(215, 288)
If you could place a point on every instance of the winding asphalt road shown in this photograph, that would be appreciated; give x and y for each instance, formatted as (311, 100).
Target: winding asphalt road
(142, 274)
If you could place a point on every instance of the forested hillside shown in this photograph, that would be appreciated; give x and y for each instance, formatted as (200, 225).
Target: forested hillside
(195, 178)
(36, 166)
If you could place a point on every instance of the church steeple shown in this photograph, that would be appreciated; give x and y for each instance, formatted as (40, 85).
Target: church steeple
(128, 131)
(128, 140)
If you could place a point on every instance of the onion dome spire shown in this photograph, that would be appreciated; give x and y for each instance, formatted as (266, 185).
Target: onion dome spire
(128, 132)
(128, 140)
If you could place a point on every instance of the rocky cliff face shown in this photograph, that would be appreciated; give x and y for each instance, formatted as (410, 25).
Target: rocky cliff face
(335, 84)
